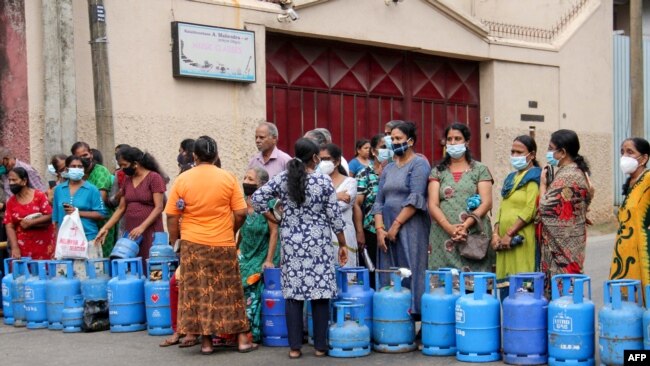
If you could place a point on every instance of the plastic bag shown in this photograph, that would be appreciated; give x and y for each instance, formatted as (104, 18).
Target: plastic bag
(71, 241)
(95, 316)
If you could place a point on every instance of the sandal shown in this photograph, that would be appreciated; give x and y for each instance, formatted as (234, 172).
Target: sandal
(318, 353)
(186, 343)
(171, 341)
(252, 347)
(293, 354)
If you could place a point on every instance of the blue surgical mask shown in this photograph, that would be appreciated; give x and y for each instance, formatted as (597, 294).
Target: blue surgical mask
(456, 151)
(51, 169)
(64, 175)
(519, 162)
(384, 155)
(552, 161)
(3, 170)
(389, 142)
(75, 174)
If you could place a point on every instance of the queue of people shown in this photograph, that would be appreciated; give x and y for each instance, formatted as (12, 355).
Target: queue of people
(312, 212)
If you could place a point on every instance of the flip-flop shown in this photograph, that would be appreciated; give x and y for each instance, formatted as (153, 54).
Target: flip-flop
(251, 348)
(298, 355)
(185, 343)
(169, 342)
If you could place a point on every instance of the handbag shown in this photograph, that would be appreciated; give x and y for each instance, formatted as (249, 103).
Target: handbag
(476, 245)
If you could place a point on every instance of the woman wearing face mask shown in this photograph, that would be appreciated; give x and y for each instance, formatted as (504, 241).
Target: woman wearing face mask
(515, 218)
(367, 187)
(362, 157)
(308, 256)
(631, 257)
(401, 220)
(563, 206)
(28, 219)
(257, 243)
(79, 194)
(346, 194)
(185, 159)
(141, 203)
(451, 183)
(57, 169)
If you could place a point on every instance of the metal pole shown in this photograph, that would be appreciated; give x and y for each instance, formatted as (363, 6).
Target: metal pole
(636, 67)
(101, 78)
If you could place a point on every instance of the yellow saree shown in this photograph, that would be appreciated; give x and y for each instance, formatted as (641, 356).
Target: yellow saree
(631, 253)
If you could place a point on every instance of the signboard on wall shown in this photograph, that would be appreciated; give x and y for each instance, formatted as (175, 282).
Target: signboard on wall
(203, 51)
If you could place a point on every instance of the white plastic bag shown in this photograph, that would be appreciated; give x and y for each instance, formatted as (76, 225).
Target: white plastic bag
(71, 241)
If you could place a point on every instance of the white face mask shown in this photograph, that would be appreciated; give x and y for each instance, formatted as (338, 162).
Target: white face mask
(326, 167)
(628, 164)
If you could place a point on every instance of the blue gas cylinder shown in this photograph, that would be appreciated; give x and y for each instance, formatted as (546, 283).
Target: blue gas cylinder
(95, 286)
(126, 309)
(620, 320)
(478, 320)
(525, 316)
(160, 248)
(61, 283)
(72, 315)
(20, 273)
(571, 321)
(393, 328)
(646, 320)
(35, 295)
(274, 320)
(356, 290)
(349, 336)
(126, 248)
(7, 280)
(156, 295)
(438, 314)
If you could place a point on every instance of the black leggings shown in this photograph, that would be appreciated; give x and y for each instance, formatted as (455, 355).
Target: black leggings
(320, 315)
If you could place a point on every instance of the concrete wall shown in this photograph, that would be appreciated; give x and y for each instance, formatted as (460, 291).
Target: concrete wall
(155, 111)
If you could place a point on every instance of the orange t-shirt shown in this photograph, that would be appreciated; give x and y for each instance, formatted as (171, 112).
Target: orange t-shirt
(211, 195)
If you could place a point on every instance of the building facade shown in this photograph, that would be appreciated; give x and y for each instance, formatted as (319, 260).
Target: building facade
(503, 67)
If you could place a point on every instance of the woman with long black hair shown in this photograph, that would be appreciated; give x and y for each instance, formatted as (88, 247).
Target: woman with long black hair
(310, 214)
(563, 206)
(141, 201)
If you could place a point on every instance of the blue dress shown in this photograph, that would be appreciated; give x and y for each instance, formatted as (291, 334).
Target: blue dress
(400, 187)
(308, 255)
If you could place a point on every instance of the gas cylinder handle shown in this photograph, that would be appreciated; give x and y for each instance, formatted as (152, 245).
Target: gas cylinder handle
(69, 269)
(537, 278)
(91, 271)
(121, 270)
(165, 271)
(480, 287)
(647, 296)
(397, 282)
(427, 281)
(7, 265)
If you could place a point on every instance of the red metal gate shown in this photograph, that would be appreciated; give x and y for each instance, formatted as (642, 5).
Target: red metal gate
(354, 90)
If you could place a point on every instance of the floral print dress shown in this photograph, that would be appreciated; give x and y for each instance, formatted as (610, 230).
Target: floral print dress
(308, 256)
(563, 217)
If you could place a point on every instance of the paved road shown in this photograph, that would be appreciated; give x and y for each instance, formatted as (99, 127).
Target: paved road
(43, 347)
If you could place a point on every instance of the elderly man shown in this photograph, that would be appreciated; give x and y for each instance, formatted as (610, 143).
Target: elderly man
(269, 157)
(9, 161)
(322, 136)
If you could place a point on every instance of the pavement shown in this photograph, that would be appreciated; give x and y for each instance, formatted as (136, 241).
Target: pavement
(19, 346)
